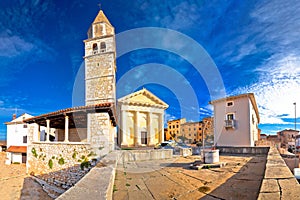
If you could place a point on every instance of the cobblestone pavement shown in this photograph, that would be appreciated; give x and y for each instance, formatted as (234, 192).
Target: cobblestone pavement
(173, 179)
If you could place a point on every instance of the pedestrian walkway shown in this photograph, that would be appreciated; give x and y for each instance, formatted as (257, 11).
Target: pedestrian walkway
(173, 179)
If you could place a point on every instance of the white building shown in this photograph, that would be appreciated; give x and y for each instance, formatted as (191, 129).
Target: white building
(141, 118)
(236, 120)
(17, 139)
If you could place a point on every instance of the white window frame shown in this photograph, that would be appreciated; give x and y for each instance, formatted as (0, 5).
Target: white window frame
(228, 103)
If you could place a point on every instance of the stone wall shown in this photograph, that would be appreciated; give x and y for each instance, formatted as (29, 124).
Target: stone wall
(243, 150)
(101, 133)
(48, 157)
(143, 155)
(278, 182)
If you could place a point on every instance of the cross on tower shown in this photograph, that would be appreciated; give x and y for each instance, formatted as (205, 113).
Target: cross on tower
(99, 4)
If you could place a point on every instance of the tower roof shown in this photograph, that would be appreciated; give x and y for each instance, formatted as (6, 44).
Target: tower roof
(101, 18)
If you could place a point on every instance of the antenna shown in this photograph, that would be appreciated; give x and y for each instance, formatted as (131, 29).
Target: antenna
(99, 5)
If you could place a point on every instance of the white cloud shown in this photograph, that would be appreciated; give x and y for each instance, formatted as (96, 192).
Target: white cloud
(11, 46)
(277, 90)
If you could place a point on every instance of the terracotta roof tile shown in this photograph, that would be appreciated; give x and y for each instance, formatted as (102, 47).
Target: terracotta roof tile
(17, 149)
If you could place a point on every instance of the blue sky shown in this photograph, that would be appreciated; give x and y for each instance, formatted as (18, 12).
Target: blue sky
(254, 45)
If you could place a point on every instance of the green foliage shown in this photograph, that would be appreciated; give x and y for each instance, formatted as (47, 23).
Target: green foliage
(115, 188)
(16, 162)
(91, 154)
(74, 155)
(33, 151)
(85, 164)
(50, 163)
(53, 157)
(127, 184)
(126, 148)
(61, 161)
(83, 157)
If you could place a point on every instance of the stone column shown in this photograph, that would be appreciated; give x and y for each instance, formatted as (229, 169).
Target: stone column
(48, 130)
(150, 132)
(137, 138)
(123, 134)
(66, 128)
(161, 127)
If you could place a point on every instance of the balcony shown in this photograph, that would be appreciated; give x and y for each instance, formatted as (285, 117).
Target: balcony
(229, 123)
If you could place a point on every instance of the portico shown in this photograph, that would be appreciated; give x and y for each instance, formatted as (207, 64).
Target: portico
(141, 117)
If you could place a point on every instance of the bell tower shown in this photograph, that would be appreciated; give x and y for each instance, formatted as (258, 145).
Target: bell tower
(100, 62)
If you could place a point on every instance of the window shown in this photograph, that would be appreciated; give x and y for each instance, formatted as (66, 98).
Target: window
(230, 116)
(102, 47)
(170, 127)
(173, 126)
(25, 139)
(95, 48)
(230, 103)
(176, 126)
(25, 126)
(229, 122)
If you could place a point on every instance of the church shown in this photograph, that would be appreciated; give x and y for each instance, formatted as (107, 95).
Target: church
(88, 132)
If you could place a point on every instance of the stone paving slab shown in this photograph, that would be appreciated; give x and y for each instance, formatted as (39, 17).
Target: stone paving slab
(278, 172)
(239, 179)
(269, 185)
(269, 196)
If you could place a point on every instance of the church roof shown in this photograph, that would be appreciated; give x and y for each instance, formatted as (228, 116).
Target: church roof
(143, 98)
(77, 116)
(101, 18)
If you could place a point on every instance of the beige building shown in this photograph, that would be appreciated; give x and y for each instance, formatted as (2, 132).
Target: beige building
(287, 137)
(141, 119)
(174, 128)
(192, 132)
(236, 120)
(86, 132)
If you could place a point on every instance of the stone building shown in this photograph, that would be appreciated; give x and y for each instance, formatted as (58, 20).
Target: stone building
(86, 132)
(141, 117)
(287, 137)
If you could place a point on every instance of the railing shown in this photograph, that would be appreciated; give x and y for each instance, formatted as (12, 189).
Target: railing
(229, 123)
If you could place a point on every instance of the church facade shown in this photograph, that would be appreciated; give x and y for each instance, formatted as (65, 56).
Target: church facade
(141, 119)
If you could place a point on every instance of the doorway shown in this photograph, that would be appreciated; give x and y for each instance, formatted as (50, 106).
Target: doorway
(24, 157)
(144, 137)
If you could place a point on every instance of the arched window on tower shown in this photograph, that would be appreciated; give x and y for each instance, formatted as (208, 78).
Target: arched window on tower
(95, 48)
(102, 47)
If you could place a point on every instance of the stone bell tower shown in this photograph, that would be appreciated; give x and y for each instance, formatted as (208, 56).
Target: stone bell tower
(100, 62)
(100, 83)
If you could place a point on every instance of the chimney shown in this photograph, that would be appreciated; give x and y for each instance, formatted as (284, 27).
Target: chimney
(14, 116)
